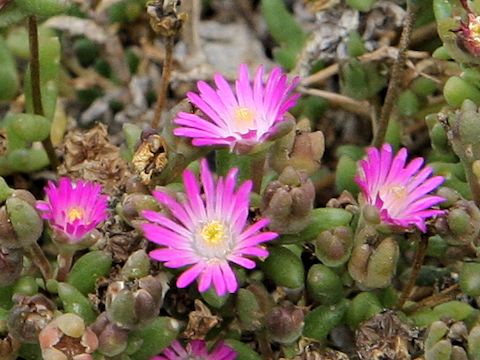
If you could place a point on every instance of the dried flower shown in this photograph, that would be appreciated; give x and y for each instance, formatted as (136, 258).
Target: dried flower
(398, 190)
(197, 349)
(246, 118)
(209, 233)
(468, 35)
(73, 209)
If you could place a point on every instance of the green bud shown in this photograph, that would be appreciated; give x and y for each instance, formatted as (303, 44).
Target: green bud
(75, 302)
(439, 137)
(321, 219)
(26, 222)
(361, 80)
(284, 268)
(334, 247)
(423, 86)
(88, 269)
(155, 337)
(437, 246)
(474, 343)
(463, 223)
(345, 175)
(355, 44)
(136, 266)
(244, 352)
(455, 310)
(248, 310)
(284, 323)
(321, 320)
(27, 160)
(30, 127)
(456, 91)
(363, 307)
(408, 103)
(44, 8)
(8, 73)
(324, 285)
(132, 205)
(26, 285)
(441, 53)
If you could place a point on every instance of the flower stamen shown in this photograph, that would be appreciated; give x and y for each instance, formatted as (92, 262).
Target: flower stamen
(75, 213)
(244, 118)
(213, 233)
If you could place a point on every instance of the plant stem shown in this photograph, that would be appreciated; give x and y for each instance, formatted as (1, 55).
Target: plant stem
(417, 264)
(36, 254)
(257, 169)
(166, 72)
(396, 77)
(435, 299)
(36, 89)
(64, 260)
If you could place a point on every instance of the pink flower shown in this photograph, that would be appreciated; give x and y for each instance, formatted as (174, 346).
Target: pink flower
(397, 189)
(74, 209)
(207, 232)
(197, 350)
(468, 35)
(247, 117)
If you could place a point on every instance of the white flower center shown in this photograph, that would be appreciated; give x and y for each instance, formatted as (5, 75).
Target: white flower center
(212, 240)
(75, 213)
(244, 119)
(474, 27)
(399, 192)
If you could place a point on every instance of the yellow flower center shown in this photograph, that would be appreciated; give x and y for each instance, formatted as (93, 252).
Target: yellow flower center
(75, 213)
(400, 192)
(213, 232)
(244, 118)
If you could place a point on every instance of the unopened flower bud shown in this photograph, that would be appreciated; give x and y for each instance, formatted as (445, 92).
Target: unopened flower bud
(333, 247)
(131, 305)
(67, 337)
(29, 316)
(136, 266)
(284, 323)
(132, 205)
(20, 224)
(462, 225)
(288, 202)
(374, 267)
(11, 265)
(112, 340)
(303, 151)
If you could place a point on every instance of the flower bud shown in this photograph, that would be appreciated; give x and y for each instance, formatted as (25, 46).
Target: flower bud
(136, 266)
(29, 316)
(333, 247)
(374, 267)
(132, 204)
(288, 201)
(67, 337)
(462, 224)
(284, 323)
(301, 149)
(20, 224)
(132, 305)
(112, 340)
(11, 265)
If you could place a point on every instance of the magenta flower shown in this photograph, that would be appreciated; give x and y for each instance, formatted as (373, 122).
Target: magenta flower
(247, 117)
(207, 232)
(73, 209)
(197, 350)
(397, 189)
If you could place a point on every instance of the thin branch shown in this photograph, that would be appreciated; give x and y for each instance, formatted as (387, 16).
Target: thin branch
(166, 72)
(36, 89)
(396, 77)
(358, 107)
(436, 299)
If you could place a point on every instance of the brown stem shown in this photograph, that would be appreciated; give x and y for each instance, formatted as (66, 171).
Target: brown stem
(417, 264)
(435, 299)
(64, 260)
(162, 93)
(36, 254)
(257, 167)
(264, 346)
(396, 77)
(36, 89)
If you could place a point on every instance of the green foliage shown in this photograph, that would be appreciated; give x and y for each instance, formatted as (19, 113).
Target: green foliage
(285, 30)
(8, 73)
